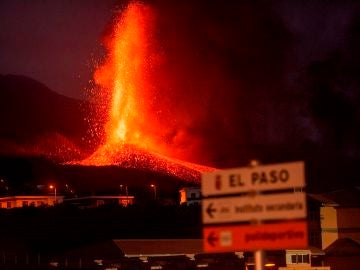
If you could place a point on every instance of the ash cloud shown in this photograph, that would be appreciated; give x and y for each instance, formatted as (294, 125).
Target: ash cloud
(237, 76)
(222, 77)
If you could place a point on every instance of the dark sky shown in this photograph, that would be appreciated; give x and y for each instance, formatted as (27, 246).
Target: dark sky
(57, 42)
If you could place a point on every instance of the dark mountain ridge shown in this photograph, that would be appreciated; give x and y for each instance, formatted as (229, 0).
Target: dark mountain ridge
(28, 108)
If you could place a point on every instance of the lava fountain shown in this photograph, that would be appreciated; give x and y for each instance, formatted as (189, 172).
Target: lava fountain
(135, 130)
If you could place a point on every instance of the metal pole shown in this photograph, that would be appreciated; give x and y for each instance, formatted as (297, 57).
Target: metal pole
(259, 259)
(127, 195)
(55, 196)
(154, 187)
(258, 254)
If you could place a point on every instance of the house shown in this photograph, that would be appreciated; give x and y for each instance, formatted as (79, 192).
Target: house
(50, 200)
(145, 248)
(344, 253)
(339, 215)
(178, 254)
(29, 200)
(305, 259)
(96, 201)
(190, 196)
(332, 217)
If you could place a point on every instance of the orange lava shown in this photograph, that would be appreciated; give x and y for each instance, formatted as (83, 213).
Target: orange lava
(125, 74)
(134, 129)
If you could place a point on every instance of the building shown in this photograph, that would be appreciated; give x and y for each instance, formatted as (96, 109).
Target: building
(50, 200)
(342, 254)
(145, 248)
(171, 254)
(29, 200)
(339, 215)
(334, 229)
(305, 259)
(96, 201)
(190, 196)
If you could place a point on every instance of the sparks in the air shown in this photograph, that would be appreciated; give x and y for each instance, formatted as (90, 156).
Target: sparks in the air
(134, 131)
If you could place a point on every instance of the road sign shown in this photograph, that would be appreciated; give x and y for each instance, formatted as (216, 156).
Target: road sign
(258, 207)
(245, 179)
(254, 207)
(284, 235)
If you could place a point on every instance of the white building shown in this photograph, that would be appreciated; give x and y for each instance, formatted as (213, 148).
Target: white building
(29, 200)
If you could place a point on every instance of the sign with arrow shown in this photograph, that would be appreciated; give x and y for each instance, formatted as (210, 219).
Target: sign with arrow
(253, 237)
(259, 207)
(246, 204)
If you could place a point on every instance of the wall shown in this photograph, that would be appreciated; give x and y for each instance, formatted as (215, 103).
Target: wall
(329, 225)
(348, 220)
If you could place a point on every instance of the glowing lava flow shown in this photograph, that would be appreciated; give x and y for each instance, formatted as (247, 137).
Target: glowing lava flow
(133, 130)
(126, 74)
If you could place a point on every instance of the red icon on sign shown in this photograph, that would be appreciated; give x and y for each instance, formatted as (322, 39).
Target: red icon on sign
(218, 183)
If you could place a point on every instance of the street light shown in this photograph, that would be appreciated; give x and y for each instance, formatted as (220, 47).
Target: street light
(4, 185)
(154, 187)
(126, 192)
(126, 189)
(54, 188)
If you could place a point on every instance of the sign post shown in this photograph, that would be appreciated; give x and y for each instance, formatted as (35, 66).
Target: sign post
(259, 259)
(239, 215)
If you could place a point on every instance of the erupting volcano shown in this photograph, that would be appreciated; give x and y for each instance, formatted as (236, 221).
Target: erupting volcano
(137, 129)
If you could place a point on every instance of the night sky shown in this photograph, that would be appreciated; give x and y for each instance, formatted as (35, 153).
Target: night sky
(59, 42)
(244, 76)
(54, 42)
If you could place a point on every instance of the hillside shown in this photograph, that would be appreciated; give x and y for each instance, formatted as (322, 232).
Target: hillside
(36, 120)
